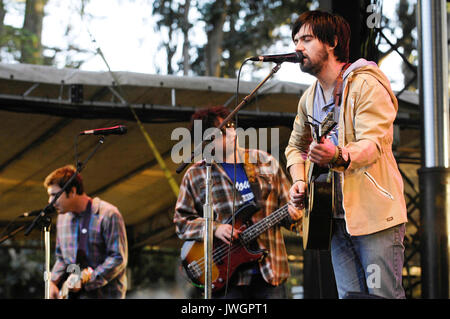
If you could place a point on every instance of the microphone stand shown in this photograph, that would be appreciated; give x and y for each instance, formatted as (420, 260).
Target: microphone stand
(209, 236)
(207, 207)
(44, 220)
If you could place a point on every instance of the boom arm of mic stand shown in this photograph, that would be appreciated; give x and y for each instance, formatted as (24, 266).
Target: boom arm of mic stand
(12, 233)
(230, 116)
(79, 168)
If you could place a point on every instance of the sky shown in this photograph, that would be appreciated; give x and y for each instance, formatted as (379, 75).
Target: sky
(125, 33)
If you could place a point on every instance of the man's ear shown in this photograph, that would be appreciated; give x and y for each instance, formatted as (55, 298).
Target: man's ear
(73, 192)
(335, 42)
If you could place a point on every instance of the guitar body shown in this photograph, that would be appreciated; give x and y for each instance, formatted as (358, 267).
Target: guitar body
(64, 291)
(317, 220)
(193, 261)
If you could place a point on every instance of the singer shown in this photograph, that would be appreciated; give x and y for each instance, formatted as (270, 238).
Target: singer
(97, 229)
(369, 212)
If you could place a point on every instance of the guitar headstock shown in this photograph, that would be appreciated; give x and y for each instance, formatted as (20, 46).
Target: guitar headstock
(322, 129)
(327, 125)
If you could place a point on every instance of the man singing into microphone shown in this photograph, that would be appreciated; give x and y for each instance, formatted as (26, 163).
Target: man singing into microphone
(90, 233)
(369, 213)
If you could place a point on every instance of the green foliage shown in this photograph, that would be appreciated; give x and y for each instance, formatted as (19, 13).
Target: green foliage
(249, 29)
(406, 12)
(152, 269)
(23, 44)
(10, 41)
(22, 273)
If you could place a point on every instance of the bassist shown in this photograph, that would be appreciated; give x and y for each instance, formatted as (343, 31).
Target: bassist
(259, 178)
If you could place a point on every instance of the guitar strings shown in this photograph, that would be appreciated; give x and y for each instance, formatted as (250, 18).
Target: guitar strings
(222, 248)
(273, 217)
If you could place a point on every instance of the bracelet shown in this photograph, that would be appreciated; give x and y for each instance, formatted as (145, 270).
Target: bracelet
(299, 180)
(340, 162)
(337, 155)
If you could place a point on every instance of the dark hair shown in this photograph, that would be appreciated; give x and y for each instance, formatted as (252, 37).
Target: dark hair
(325, 27)
(209, 117)
(60, 177)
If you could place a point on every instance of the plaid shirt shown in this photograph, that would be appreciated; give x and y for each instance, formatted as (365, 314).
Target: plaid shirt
(272, 192)
(107, 250)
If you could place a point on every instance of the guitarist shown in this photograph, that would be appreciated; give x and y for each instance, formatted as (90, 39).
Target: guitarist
(91, 235)
(259, 179)
(369, 213)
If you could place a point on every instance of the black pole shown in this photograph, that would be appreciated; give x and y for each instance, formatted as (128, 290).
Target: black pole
(435, 203)
(434, 175)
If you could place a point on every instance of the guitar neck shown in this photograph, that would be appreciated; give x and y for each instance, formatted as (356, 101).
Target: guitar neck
(264, 224)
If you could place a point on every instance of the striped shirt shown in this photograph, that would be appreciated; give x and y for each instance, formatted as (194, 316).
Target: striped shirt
(107, 250)
(272, 187)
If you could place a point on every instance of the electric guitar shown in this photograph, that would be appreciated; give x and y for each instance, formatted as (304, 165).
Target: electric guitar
(71, 281)
(242, 251)
(317, 219)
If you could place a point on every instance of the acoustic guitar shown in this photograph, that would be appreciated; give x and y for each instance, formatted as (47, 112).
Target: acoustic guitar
(317, 219)
(242, 251)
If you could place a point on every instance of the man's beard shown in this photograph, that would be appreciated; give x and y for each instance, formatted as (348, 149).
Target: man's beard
(315, 68)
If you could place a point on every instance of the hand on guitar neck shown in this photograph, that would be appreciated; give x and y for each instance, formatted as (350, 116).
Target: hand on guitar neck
(322, 153)
(225, 231)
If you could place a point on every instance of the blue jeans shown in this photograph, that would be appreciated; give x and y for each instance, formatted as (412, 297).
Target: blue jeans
(369, 264)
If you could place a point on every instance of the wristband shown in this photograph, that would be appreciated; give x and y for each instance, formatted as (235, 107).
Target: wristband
(337, 154)
(340, 162)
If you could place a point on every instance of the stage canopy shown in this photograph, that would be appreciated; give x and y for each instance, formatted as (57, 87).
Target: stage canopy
(43, 109)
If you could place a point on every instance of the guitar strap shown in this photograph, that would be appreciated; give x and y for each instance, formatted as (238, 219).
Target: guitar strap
(250, 169)
(337, 92)
(337, 95)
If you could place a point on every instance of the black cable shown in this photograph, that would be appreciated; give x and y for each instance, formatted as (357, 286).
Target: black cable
(234, 178)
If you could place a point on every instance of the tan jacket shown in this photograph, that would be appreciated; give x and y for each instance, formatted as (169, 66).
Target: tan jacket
(372, 186)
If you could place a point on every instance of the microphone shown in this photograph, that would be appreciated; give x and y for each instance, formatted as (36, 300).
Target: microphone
(294, 57)
(36, 212)
(118, 130)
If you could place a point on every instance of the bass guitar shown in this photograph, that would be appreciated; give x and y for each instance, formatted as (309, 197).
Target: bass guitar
(317, 219)
(242, 251)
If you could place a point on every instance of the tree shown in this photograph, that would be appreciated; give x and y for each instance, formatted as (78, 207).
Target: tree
(173, 17)
(24, 44)
(2, 18)
(406, 13)
(234, 29)
(252, 28)
(185, 26)
(31, 44)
